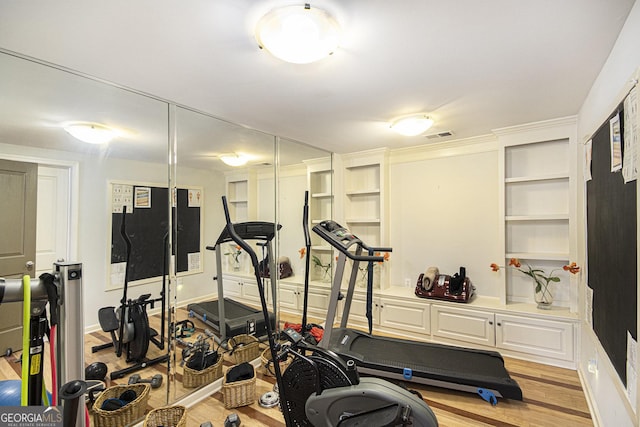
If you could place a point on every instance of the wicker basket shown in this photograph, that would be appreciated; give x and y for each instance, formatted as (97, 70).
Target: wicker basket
(238, 393)
(267, 367)
(193, 378)
(128, 413)
(169, 416)
(244, 348)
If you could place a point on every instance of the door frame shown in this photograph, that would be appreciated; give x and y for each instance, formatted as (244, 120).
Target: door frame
(73, 168)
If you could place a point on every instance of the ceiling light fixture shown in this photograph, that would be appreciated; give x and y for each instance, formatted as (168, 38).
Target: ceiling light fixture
(298, 34)
(412, 125)
(234, 159)
(92, 133)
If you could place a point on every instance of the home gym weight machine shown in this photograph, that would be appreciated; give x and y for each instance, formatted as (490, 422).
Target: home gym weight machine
(63, 291)
(320, 389)
(465, 369)
(131, 322)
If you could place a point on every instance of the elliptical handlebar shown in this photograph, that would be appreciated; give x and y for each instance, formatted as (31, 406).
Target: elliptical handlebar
(256, 269)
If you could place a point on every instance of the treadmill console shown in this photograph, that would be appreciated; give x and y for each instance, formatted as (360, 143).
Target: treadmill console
(336, 235)
(292, 335)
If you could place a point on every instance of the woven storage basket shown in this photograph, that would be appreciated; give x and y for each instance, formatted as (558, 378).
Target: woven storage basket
(244, 348)
(238, 393)
(128, 413)
(169, 416)
(267, 367)
(192, 378)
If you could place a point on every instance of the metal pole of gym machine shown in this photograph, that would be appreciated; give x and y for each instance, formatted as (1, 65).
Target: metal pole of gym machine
(70, 331)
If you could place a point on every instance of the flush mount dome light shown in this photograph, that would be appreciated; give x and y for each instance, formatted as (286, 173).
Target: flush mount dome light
(412, 125)
(299, 34)
(234, 159)
(92, 133)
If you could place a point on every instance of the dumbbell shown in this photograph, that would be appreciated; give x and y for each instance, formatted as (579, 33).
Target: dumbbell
(155, 381)
(232, 420)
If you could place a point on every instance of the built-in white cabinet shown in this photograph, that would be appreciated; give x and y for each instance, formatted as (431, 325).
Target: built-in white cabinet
(522, 335)
(472, 326)
(396, 315)
(291, 299)
(241, 195)
(244, 289)
(549, 338)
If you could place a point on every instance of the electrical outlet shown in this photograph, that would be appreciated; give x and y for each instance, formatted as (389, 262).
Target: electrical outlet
(407, 282)
(592, 366)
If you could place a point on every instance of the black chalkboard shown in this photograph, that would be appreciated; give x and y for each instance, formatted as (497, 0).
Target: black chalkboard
(612, 248)
(147, 229)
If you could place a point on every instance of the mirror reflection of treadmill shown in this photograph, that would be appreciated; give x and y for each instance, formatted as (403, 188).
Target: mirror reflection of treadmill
(438, 365)
(225, 316)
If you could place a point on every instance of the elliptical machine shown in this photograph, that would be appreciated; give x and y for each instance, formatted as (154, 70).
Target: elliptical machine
(320, 389)
(131, 322)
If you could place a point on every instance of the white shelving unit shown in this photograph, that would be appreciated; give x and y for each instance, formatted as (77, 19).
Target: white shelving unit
(241, 195)
(538, 190)
(320, 185)
(365, 210)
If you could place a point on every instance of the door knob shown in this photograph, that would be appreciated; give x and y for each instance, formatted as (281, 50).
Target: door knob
(29, 265)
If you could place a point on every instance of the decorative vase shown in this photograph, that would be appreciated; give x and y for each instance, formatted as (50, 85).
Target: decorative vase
(543, 296)
(236, 264)
(326, 275)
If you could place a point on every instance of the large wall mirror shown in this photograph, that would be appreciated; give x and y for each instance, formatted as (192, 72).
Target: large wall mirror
(164, 168)
(82, 190)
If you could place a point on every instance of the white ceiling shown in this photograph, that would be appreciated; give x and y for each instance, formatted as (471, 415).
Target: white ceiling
(472, 65)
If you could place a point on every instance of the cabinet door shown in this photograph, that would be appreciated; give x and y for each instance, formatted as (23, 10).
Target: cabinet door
(288, 297)
(250, 291)
(463, 324)
(358, 311)
(317, 302)
(232, 286)
(535, 336)
(405, 316)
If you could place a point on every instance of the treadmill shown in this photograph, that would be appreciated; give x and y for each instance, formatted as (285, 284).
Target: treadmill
(457, 368)
(225, 316)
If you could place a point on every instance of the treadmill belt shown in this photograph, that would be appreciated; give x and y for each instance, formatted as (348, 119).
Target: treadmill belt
(232, 309)
(418, 357)
(237, 315)
(448, 366)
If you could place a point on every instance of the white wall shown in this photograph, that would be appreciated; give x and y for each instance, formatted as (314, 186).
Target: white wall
(604, 389)
(444, 213)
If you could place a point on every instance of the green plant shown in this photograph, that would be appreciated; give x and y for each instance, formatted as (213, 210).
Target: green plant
(234, 251)
(541, 279)
(326, 268)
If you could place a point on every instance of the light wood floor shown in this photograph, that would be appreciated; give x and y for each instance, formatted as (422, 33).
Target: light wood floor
(552, 396)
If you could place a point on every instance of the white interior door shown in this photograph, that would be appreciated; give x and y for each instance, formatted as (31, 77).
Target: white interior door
(52, 238)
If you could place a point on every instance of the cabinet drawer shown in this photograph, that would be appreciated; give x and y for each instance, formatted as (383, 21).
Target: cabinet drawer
(535, 336)
(463, 325)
